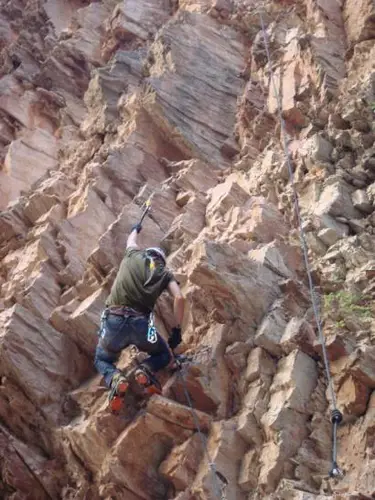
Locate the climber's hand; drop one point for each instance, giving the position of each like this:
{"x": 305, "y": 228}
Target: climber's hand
{"x": 136, "y": 227}
{"x": 175, "y": 338}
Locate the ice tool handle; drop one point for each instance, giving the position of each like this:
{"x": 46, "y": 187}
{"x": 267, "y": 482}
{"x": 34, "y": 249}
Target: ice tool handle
{"x": 147, "y": 206}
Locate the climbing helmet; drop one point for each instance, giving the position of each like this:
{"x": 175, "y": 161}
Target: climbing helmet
{"x": 158, "y": 252}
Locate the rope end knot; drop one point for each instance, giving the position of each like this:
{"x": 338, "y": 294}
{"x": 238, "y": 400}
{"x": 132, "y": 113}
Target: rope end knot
{"x": 336, "y": 416}
{"x": 335, "y": 471}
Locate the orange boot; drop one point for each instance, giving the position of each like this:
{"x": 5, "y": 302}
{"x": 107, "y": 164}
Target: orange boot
{"x": 145, "y": 378}
{"x": 119, "y": 386}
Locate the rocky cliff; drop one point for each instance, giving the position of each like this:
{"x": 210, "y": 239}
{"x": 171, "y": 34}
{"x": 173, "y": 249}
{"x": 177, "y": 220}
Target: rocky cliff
{"x": 104, "y": 103}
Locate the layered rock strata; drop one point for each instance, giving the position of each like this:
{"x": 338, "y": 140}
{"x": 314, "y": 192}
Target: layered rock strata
{"x": 103, "y": 104}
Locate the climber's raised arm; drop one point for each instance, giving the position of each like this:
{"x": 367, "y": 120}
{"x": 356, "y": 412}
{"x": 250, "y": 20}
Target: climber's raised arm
{"x": 132, "y": 238}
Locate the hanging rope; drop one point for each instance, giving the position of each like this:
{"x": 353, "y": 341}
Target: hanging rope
{"x": 336, "y": 416}
{"x": 219, "y": 480}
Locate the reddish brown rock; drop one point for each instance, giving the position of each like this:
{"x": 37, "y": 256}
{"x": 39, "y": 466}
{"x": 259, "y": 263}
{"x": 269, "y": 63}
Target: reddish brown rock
{"x": 196, "y": 382}
{"x": 272, "y": 328}
{"x": 248, "y": 428}
{"x": 178, "y": 414}
{"x": 119, "y": 79}
{"x": 353, "y": 397}
{"x": 22, "y": 470}
{"x": 295, "y": 379}
{"x": 146, "y": 441}
{"x": 76, "y": 246}
{"x": 328, "y": 44}
{"x": 257, "y": 398}
{"x": 224, "y": 196}
{"x": 103, "y": 104}
{"x": 214, "y": 97}
{"x": 259, "y": 363}
{"x": 47, "y": 366}
{"x": 27, "y": 160}
{"x": 236, "y": 357}
{"x": 228, "y": 279}
{"x": 226, "y": 448}
{"x": 80, "y": 320}
{"x": 271, "y": 463}
{"x": 138, "y": 19}
{"x": 337, "y": 346}
{"x": 181, "y": 465}
{"x": 298, "y": 334}
{"x": 359, "y": 20}
{"x": 248, "y": 477}
{"x": 363, "y": 367}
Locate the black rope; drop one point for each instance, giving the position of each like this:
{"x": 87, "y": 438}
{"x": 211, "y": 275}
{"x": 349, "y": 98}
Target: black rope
{"x": 336, "y": 416}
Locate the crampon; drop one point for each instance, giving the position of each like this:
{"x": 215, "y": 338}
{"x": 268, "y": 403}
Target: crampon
{"x": 119, "y": 386}
{"x": 132, "y": 389}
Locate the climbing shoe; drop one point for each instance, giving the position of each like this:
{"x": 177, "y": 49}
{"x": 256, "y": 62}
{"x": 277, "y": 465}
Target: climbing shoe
{"x": 116, "y": 404}
{"x": 145, "y": 378}
{"x": 119, "y": 386}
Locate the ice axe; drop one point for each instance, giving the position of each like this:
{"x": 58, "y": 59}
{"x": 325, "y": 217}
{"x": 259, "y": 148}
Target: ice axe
{"x": 147, "y": 206}
{"x": 138, "y": 226}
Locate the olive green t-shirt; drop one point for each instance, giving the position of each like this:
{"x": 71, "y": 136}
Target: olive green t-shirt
{"x": 133, "y": 286}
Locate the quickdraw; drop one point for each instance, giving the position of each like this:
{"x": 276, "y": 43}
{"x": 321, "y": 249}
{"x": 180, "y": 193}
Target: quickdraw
{"x": 152, "y": 335}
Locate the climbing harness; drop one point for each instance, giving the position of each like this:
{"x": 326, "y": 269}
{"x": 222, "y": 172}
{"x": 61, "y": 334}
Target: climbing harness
{"x": 336, "y": 415}
{"x": 219, "y": 480}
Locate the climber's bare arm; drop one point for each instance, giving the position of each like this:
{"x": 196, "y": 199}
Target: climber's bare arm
{"x": 178, "y": 302}
{"x": 132, "y": 240}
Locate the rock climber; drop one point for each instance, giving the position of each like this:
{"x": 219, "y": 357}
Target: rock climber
{"x": 125, "y": 321}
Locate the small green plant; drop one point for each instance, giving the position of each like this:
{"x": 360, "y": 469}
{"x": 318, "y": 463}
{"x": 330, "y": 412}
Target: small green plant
{"x": 343, "y": 303}
{"x": 340, "y": 324}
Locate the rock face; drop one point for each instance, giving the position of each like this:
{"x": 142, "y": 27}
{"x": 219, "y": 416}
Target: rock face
{"x": 201, "y": 74}
{"x": 103, "y": 104}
